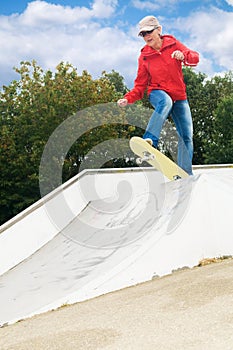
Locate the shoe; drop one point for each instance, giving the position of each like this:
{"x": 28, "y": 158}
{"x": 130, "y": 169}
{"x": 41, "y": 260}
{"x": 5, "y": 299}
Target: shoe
{"x": 149, "y": 141}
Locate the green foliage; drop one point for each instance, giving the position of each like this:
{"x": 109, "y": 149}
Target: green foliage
{"x": 196, "y": 96}
{"x": 117, "y": 81}
{"x": 204, "y": 97}
{"x": 220, "y": 150}
{"x": 31, "y": 109}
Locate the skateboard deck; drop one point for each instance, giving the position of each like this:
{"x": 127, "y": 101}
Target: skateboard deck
{"x": 155, "y": 158}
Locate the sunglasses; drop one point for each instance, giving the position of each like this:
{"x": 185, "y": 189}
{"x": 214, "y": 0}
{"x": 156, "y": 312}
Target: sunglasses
{"x": 144, "y": 33}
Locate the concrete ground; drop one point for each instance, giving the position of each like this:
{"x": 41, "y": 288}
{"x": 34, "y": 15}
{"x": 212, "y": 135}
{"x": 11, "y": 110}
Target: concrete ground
{"x": 190, "y": 309}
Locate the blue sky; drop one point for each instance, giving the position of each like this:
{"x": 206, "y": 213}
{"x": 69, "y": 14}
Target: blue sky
{"x": 101, "y": 35}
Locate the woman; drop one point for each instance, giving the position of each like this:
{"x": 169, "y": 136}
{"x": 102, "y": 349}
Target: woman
{"x": 160, "y": 72}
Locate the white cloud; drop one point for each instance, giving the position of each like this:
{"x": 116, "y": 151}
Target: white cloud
{"x": 156, "y": 5}
{"x": 82, "y": 36}
{"x": 52, "y": 33}
{"x": 210, "y": 33}
{"x": 146, "y": 5}
{"x": 104, "y": 8}
{"x": 41, "y": 12}
{"x": 230, "y": 2}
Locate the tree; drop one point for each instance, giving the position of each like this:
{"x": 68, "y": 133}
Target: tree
{"x": 204, "y": 97}
{"x": 197, "y": 101}
{"x": 117, "y": 81}
{"x": 220, "y": 150}
{"x": 31, "y": 109}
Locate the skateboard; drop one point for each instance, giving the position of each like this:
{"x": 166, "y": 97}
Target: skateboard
{"x": 158, "y": 160}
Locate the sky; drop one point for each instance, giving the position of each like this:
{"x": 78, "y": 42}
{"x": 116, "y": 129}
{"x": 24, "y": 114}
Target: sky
{"x": 101, "y": 35}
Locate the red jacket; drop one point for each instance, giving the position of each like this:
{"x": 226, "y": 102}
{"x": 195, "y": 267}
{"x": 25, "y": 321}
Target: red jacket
{"x": 157, "y": 70}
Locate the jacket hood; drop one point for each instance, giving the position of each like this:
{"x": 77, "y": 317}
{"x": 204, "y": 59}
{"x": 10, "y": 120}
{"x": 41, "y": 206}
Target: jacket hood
{"x": 168, "y": 40}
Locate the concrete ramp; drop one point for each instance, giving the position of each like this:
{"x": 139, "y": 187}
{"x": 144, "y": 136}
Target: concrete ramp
{"x": 124, "y": 227}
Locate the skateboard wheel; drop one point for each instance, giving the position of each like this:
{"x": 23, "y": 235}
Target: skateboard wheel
{"x": 138, "y": 161}
{"x": 176, "y": 177}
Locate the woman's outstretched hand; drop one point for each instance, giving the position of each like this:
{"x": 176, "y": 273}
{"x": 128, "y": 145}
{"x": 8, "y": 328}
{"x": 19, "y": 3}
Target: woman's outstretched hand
{"x": 122, "y": 102}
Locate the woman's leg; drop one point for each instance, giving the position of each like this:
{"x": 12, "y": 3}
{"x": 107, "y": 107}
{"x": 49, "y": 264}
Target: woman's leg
{"x": 181, "y": 115}
{"x": 162, "y": 104}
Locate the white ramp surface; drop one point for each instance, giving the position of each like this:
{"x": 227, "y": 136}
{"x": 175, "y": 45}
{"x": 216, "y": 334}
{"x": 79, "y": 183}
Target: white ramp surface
{"x": 131, "y": 228}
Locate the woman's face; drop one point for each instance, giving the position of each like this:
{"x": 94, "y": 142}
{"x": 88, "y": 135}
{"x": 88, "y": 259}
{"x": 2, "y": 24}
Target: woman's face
{"x": 152, "y": 38}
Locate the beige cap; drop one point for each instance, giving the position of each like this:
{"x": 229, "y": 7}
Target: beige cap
{"x": 148, "y": 23}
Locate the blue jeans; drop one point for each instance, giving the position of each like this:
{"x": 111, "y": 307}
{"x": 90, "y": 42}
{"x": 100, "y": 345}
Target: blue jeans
{"x": 181, "y": 115}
